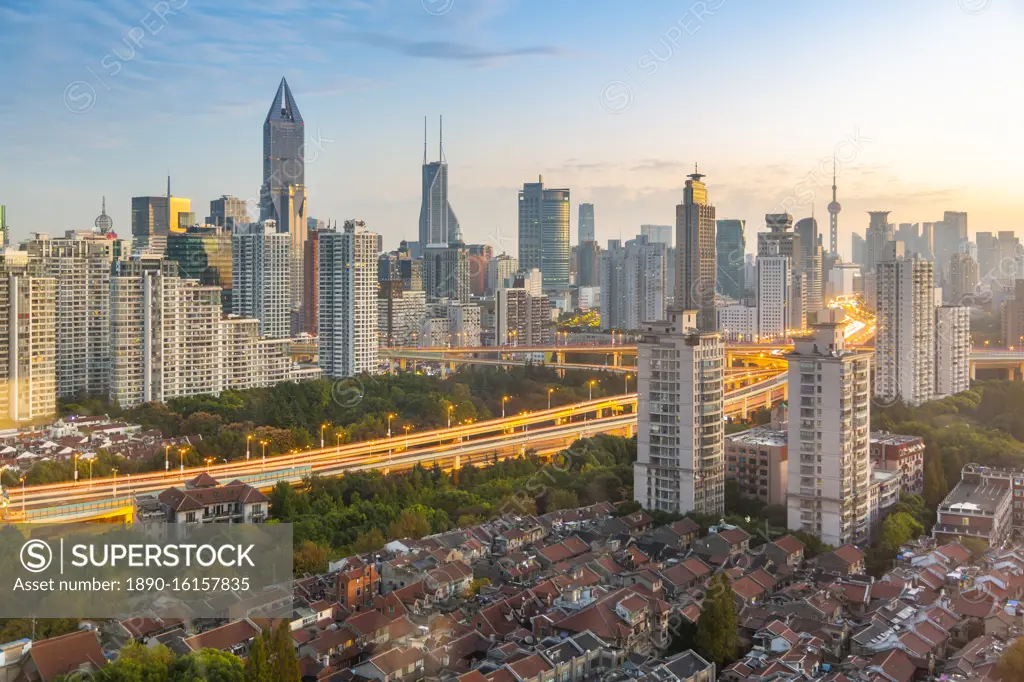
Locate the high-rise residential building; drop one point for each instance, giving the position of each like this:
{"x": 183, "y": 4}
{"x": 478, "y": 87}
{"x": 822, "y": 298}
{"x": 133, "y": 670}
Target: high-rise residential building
{"x": 962, "y": 279}
{"x": 927, "y": 241}
{"x": 680, "y": 382}
{"x": 829, "y": 491}
{"x": 658, "y": 234}
{"x": 283, "y": 193}
{"x": 811, "y": 256}
{"x": 988, "y": 253}
{"x": 5, "y": 238}
{"x": 499, "y": 269}
{"x": 479, "y": 256}
{"x": 671, "y": 267}
{"x": 730, "y": 249}
{"x": 204, "y": 253}
{"x": 311, "y": 273}
{"x": 170, "y": 339}
{"x": 737, "y": 321}
{"x": 696, "y": 260}
{"x": 28, "y": 347}
{"x": 544, "y": 233}
{"x": 348, "y": 307}
{"x": 1012, "y": 313}
{"x": 521, "y": 318}
{"x": 400, "y": 314}
{"x": 633, "y": 283}
{"x": 842, "y": 280}
{"x": 589, "y": 273}
{"x": 1008, "y": 257}
{"x": 859, "y": 250}
{"x": 80, "y": 263}
{"x": 905, "y": 338}
{"x": 949, "y": 232}
{"x": 952, "y": 350}
{"x": 834, "y": 208}
{"x": 438, "y": 224}
{"x": 261, "y": 277}
{"x": 586, "y": 224}
{"x": 446, "y": 271}
{"x": 227, "y": 212}
{"x": 616, "y": 288}
{"x": 797, "y": 304}
{"x": 451, "y": 324}
{"x": 879, "y": 235}
{"x": 774, "y": 294}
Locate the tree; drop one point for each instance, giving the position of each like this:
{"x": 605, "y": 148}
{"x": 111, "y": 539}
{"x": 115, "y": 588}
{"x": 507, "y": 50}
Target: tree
{"x": 897, "y": 530}
{"x": 474, "y": 587}
{"x": 257, "y": 669}
{"x": 286, "y": 662}
{"x": 717, "y": 628}
{"x": 411, "y": 524}
{"x": 935, "y": 486}
{"x": 976, "y": 546}
{"x": 1011, "y": 665}
{"x": 209, "y": 665}
{"x": 310, "y": 558}
{"x": 562, "y": 499}
{"x": 139, "y": 663}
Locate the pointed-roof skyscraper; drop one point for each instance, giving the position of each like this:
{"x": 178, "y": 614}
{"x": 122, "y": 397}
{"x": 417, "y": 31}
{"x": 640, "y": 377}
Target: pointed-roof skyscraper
{"x": 283, "y": 194}
{"x": 438, "y": 224}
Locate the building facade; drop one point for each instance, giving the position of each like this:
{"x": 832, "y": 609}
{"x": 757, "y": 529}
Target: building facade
{"x": 758, "y": 460}
{"x": 499, "y": 269}
{"x": 895, "y": 452}
{"x": 829, "y": 484}
{"x": 348, "y": 307}
{"x": 680, "y": 381}
{"x": 28, "y": 344}
{"x": 227, "y": 212}
{"x": 774, "y": 294}
{"x": 521, "y": 318}
{"x": 204, "y": 253}
{"x": 730, "y": 251}
{"x": 446, "y": 271}
{"x": 261, "y": 277}
{"x": 544, "y": 233}
{"x": 585, "y": 226}
{"x": 952, "y": 350}
{"x": 438, "y": 224}
{"x": 695, "y": 259}
{"x": 400, "y": 315}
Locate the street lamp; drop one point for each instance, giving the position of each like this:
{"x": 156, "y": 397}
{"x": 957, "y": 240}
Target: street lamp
{"x": 390, "y": 417}
{"x": 247, "y": 441}
{"x": 590, "y": 385}
{"x": 322, "y": 427}
{"x": 407, "y": 427}
{"x": 167, "y": 460}
{"x": 264, "y": 464}
{"x": 450, "y": 408}
{"x": 181, "y": 460}
{"x": 208, "y": 460}
{"x": 90, "y": 473}
{"x": 129, "y": 485}
{"x": 504, "y": 399}
{"x": 626, "y": 377}
{"x": 76, "y": 468}
{"x": 22, "y": 481}
{"x": 115, "y": 481}
{"x": 550, "y": 391}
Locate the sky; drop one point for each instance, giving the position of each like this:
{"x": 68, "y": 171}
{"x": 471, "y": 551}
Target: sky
{"x": 918, "y": 101}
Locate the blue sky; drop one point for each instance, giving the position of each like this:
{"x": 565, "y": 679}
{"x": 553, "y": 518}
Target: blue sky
{"x": 615, "y": 100}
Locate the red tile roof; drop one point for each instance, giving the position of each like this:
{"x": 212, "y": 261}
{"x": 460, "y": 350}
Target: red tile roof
{"x": 67, "y": 653}
{"x": 224, "y": 637}
{"x": 747, "y": 588}
{"x": 849, "y": 554}
{"x": 789, "y": 544}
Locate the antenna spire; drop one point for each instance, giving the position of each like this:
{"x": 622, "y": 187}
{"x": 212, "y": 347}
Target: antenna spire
{"x": 424, "y": 140}
{"x": 440, "y": 133}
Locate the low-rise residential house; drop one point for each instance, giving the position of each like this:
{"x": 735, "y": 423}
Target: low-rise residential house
{"x": 393, "y": 664}
{"x": 679, "y": 535}
{"x": 846, "y": 560}
{"x": 355, "y": 586}
{"x": 234, "y": 638}
{"x": 787, "y": 551}
{"x": 76, "y": 652}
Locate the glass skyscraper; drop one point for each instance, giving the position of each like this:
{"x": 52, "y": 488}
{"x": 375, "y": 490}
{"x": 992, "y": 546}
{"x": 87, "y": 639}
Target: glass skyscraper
{"x": 204, "y": 253}
{"x": 586, "y": 223}
{"x": 544, "y": 233}
{"x": 695, "y": 239}
{"x": 438, "y": 224}
{"x": 731, "y": 246}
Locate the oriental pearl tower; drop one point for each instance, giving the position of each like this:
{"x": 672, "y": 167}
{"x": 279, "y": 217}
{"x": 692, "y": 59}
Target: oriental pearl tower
{"x": 833, "y": 215}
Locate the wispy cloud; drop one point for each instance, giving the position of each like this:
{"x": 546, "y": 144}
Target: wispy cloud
{"x": 449, "y": 50}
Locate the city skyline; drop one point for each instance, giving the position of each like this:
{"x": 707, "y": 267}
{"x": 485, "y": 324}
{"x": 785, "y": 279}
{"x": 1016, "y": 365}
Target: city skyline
{"x": 634, "y": 177}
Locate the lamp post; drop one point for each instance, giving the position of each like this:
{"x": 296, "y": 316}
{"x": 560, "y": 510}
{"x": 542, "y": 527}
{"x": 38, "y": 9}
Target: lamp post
{"x": 76, "y": 468}
{"x": 407, "y": 427}
{"x": 550, "y": 391}
{"x": 23, "y": 497}
{"x": 263, "y": 465}
{"x": 504, "y": 399}
{"x": 626, "y": 377}
{"x": 167, "y": 458}
{"x": 129, "y": 485}
{"x": 450, "y": 408}
{"x": 322, "y": 427}
{"x": 337, "y": 441}
{"x": 90, "y": 473}
{"x": 390, "y": 417}
{"x": 590, "y": 387}
{"x": 208, "y": 460}
{"x": 181, "y": 460}
{"x": 115, "y": 481}
{"x": 248, "y": 439}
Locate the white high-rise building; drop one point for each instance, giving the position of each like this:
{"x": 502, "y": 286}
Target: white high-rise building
{"x": 680, "y": 446}
{"x": 905, "y": 340}
{"x": 499, "y": 269}
{"x": 400, "y": 315}
{"x": 952, "y": 350}
{"x": 829, "y": 489}
{"x": 170, "y": 339}
{"x": 348, "y": 315}
{"x": 521, "y": 319}
{"x": 28, "y": 349}
{"x": 81, "y": 263}
{"x": 633, "y": 283}
{"x": 261, "y": 270}
{"x": 774, "y": 290}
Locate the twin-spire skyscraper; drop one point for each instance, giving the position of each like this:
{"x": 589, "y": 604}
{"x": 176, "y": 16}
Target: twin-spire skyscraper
{"x": 438, "y": 224}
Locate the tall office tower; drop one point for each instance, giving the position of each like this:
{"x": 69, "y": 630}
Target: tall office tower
{"x": 806, "y": 230}
{"x": 438, "y": 224}
{"x": 479, "y": 256}
{"x": 400, "y": 314}
{"x": 797, "y": 304}
{"x": 1007, "y": 253}
{"x": 680, "y": 382}
{"x": 348, "y": 300}
{"x": 774, "y": 294}
{"x": 952, "y": 350}
{"x": 154, "y": 218}
{"x": 858, "y": 250}
{"x": 651, "y": 276}
{"x": 909, "y": 234}
{"x": 962, "y": 280}
{"x": 879, "y": 235}
{"x": 905, "y": 340}
{"x": 834, "y": 207}
{"x": 311, "y": 275}
{"x": 657, "y": 234}
{"x": 988, "y": 253}
{"x": 589, "y": 274}
{"x": 586, "y": 224}
{"x": 5, "y": 238}
{"x": 786, "y": 243}
{"x": 829, "y": 448}
{"x": 615, "y": 287}
{"x": 1012, "y": 313}
{"x": 521, "y": 318}
{"x": 948, "y": 235}
{"x": 671, "y": 267}
{"x": 80, "y": 263}
{"x": 446, "y": 271}
{"x": 227, "y": 212}
{"x": 730, "y": 249}
{"x": 261, "y": 277}
{"x": 696, "y": 260}
{"x": 841, "y": 279}
{"x": 283, "y": 193}
{"x": 927, "y": 243}
{"x": 170, "y": 339}
{"x": 500, "y": 268}
{"x": 544, "y": 233}
{"x": 28, "y": 348}
{"x": 204, "y": 253}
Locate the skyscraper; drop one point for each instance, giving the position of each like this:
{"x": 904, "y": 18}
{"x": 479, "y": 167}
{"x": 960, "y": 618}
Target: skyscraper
{"x": 633, "y": 279}
{"x": 834, "y": 207}
{"x": 730, "y": 249}
{"x": 446, "y": 271}
{"x": 696, "y": 261}
{"x": 154, "y": 218}
{"x": 544, "y": 233}
{"x": 774, "y": 295}
{"x": 283, "y": 194}
{"x": 4, "y": 237}
{"x": 28, "y": 377}
{"x": 905, "y": 340}
{"x": 260, "y": 277}
{"x": 438, "y": 224}
{"x": 880, "y": 233}
{"x": 311, "y": 272}
{"x": 680, "y": 453}
{"x": 858, "y": 249}
{"x": 962, "y": 279}
{"x": 227, "y": 212}
{"x": 586, "y": 224}
{"x": 952, "y": 350}
{"x": 204, "y": 253}
{"x": 806, "y": 230}
{"x": 348, "y": 300}
{"x": 949, "y": 232}
{"x": 657, "y": 234}
{"x": 829, "y": 447}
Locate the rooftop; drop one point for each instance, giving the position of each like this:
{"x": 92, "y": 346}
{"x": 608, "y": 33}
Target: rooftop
{"x": 759, "y": 435}
{"x": 886, "y": 438}
{"x": 980, "y": 497}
